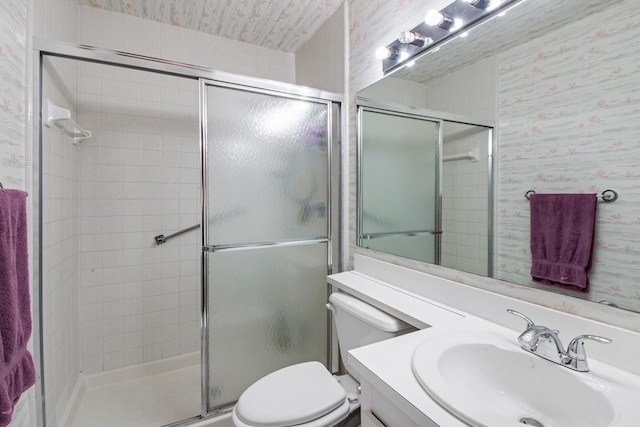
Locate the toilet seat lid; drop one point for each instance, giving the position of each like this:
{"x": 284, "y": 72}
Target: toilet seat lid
{"x": 293, "y": 395}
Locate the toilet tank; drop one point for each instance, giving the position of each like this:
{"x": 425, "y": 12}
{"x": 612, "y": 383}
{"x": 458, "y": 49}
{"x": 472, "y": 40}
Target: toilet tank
{"x": 359, "y": 324}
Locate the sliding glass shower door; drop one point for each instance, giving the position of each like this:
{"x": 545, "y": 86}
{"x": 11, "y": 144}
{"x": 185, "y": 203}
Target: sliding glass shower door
{"x": 266, "y": 234}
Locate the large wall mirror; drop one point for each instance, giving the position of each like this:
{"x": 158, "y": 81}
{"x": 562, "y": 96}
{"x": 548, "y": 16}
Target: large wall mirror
{"x": 555, "y": 87}
{"x": 432, "y": 203}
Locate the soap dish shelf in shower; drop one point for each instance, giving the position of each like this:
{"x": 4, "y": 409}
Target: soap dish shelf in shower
{"x": 61, "y": 118}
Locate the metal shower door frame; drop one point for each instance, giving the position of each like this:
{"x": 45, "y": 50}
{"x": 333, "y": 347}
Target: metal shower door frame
{"x": 250, "y": 85}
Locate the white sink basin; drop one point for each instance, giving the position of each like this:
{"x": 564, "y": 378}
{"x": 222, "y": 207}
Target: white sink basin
{"x": 486, "y": 379}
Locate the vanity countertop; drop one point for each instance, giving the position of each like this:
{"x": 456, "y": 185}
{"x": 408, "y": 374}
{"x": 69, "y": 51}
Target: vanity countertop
{"x": 424, "y": 300}
{"x": 387, "y": 365}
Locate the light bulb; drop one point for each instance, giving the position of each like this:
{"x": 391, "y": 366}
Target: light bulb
{"x": 407, "y": 37}
{"x": 434, "y": 18}
{"x": 416, "y": 39}
{"x": 383, "y": 52}
{"x": 438, "y": 19}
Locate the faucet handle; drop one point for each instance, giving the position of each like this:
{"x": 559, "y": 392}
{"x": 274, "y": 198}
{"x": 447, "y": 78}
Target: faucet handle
{"x": 522, "y": 316}
{"x": 576, "y": 346}
{"x": 576, "y": 356}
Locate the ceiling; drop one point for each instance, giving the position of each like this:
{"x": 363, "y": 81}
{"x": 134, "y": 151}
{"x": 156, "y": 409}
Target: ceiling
{"x": 283, "y": 25}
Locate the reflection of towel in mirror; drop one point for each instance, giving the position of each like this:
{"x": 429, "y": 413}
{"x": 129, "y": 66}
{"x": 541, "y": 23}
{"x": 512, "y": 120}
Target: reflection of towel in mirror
{"x": 17, "y": 372}
{"x": 562, "y": 232}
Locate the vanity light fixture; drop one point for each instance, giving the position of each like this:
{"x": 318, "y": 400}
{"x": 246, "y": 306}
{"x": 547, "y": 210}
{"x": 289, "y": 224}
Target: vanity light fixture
{"x": 480, "y": 4}
{"x": 438, "y": 28}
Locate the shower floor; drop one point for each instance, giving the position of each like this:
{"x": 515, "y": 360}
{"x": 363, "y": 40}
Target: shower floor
{"x": 130, "y": 398}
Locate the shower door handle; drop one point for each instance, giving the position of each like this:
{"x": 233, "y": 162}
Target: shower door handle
{"x": 283, "y": 243}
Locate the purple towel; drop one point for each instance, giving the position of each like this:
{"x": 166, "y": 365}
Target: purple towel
{"x": 562, "y": 231}
{"x": 17, "y": 373}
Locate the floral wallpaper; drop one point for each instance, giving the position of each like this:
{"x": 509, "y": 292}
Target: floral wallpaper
{"x": 12, "y": 92}
{"x": 281, "y": 25}
{"x": 13, "y": 36}
{"x": 569, "y": 109}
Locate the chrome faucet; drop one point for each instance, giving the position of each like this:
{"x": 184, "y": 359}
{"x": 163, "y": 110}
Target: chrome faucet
{"x": 545, "y": 342}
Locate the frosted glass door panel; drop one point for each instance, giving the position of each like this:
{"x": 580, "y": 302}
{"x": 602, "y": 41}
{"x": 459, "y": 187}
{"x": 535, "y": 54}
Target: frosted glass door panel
{"x": 268, "y": 311}
{"x": 402, "y": 198}
{"x": 267, "y": 161}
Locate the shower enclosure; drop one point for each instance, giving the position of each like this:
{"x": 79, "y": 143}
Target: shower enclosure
{"x": 266, "y": 196}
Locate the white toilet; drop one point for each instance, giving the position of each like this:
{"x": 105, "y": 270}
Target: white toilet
{"x": 306, "y": 394}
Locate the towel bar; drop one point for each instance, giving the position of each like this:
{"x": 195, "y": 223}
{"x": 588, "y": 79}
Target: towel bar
{"x": 1, "y": 186}
{"x": 606, "y": 196}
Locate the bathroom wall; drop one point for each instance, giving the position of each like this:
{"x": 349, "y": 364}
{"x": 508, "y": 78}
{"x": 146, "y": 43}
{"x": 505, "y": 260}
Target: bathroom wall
{"x": 120, "y": 31}
{"x": 139, "y": 178}
{"x": 56, "y": 20}
{"x": 320, "y": 61}
{"x": 13, "y": 34}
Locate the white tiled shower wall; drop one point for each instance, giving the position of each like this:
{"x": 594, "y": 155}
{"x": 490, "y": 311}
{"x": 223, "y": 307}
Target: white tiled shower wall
{"x": 59, "y": 245}
{"x": 139, "y": 177}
